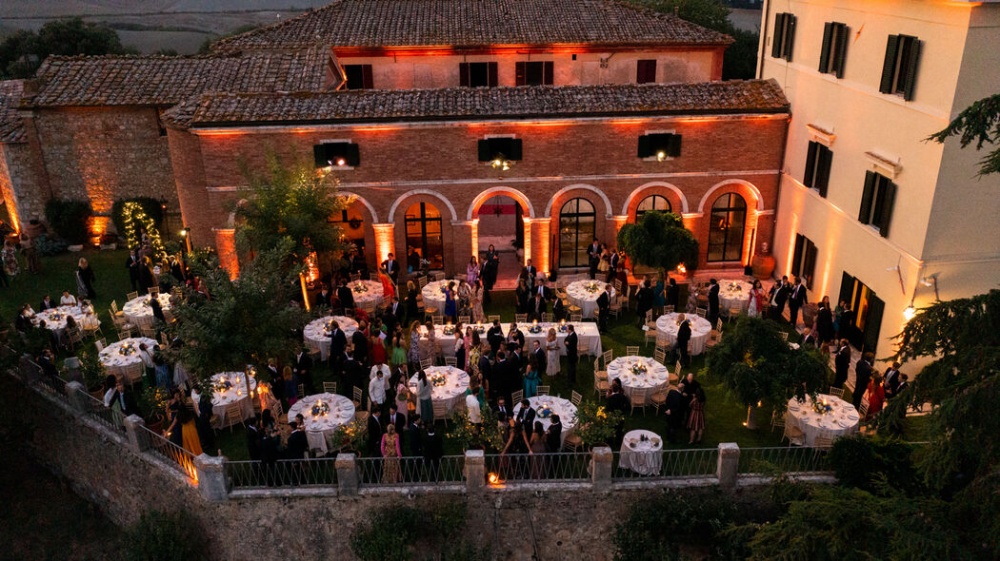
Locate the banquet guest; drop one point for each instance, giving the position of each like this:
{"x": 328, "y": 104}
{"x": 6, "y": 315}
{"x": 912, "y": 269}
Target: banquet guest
{"x": 413, "y": 260}
{"x": 472, "y": 270}
{"x": 539, "y": 356}
{"x": 526, "y": 414}
{"x": 875, "y": 393}
{"x": 450, "y": 304}
{"x": 604, "y": 308}
{"x": 644, "y": 302}
{"x": 531, "y": 379}
{"x": 553, "y": 436}
{"x": 473, "y": 409}
{"x": 132, "y": 264}
{"x": 502, "y": 408}
{"x": 67, "y": 299}
{"x": 713, "y": 301}
{"x": 290, "y": 389}
{"x": 683, "y": 338}
{"x": 146, "y": 277}
{"x": 673, "y": 293}
{"x": 162, "y": 371}
{"x": 755, "y": 305}
{"x": 676, "y": 410}
{"x": 522, "y": 295}
{"x": 375, "y": 430}
{"x": 842, "y": 363}
{"x": 203, "y": 420}
{"x": 424, "y": 397}
{"x": 110, "y": 385}
{"x": 659, "y": 296}
{"x": 413, "y": 355}
{"x": 302, "y": 365}
{"x": 530, "y": 273}
{"x": 809, "y": 339}
{"x": 345, "y": 295}
{"x": 393, "y": 314}
{"x": 796, "y": 300}
{"x": 478, "y": 315}
{"x": 360, "y": 342}
{"x": 824, "y": 322}
{"x": 391, "y": 268}
{"x": 433, "y": 448}
{"x": 696, "y": 416}
{"x": 324, "y": 298}
{"x": 47, "y": 304}
{"x": 593, "y": 258}
{"x": 537, "y": 308}
{"x": 296, "y": 447}
{"x": 495, "y": 336}
{"x": 536, "y": 447}
{"x": 355, "y": 374}
{"x": 891, "y": 382}
{"x": 85, "y": 280}
{"x": 396, "y": 419}
{"x": 779, "y": 294}
{"x": 904, "y": 382}
{"x": 515, "y": 337}
{"x": 391, "y": 451}
{"x": 376, "y": 347}
{"x": 618, "y": 401}
{"x": 377, "y": 390}
{"x": 154, "y": 305}
{"x": 862, "y": 375}
{"x": 551, "y": 353}
{"x": 415, "y": 435}
{"x": 123, "y": 399}
{"x": 571, "y": 354}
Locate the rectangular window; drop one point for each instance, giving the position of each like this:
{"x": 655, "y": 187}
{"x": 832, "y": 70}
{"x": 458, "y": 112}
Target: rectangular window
{"x": 877, "y": 201}
{"x": 359, "y": 76}
{"x": 804, "y": 261}
{"x": 533, "y": 73}
{"x": 660, "y": 146}
{"x": 784, "y": 36}
{"x": 477, "y": 74}
{"x": 645, "y": 72}
{"x": 834, "y": 51}
{"x": 899, "y": 71}
{"x": 499, "y": 147}
{"x": 818, "y": 159}
{"x": 336, "y": 155}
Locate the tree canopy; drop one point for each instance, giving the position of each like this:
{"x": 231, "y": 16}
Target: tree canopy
{"x": 294, "y": 202}
{"x": 979, "y": 123}
{"x": 24, "y": 51}
{"x": 755, "y": 362}
{"x": 659, "y": 240}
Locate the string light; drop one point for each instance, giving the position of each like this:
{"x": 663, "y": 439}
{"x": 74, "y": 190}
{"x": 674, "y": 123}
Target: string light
{"x": 134, "y": 217}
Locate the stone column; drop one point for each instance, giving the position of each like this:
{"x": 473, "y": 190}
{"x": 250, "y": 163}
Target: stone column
{"x": 138, "y": 440}
{"x": 347, "y": 475}
{"x": 211, "y": 478}
{"x": 540, "y": 241}
{"x": 601, "y": 459}
{"x": 464, "y": 239}
{"x": 475, "y": 471}
{"x": 384, "y": 243}
{"x": 728, "y": 466}
{"x": 75, "y": 392}
{"x": 225, "y": 247}
{"x": 617, "y": 221}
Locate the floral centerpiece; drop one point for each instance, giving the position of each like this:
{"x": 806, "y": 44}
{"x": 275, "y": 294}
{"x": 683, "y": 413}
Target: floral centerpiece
{"x": 544, "y": 411}
{"x": 438, "y": 380}
{"x": 320, "y": 408}
{"x": 563, "y": 328}
{"x": 821, "y": 406}
{"x": 360, "y": 287}
{"x": 480, "y": 328}
{"x": 735, "y": 287}
{"x": 535, "y": 328}
{"x": 127, "y": 349}
{"x": 638, "y": 368}
{"x": 592, "y": 287}
{"x": 595, "y": 425}
{"x": 55, "y": 315}
{"x": 448, "y": 330}
{"x": 221, "y": 384}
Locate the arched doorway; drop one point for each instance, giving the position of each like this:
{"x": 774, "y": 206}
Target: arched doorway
{"x": 577, "y": 228}
{"x": 424, "y": 231}
{"x": 727, "y": 227}
{"x": 501, "y": 224}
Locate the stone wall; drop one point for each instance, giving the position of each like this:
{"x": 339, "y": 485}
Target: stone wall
{"x": 20, "y": 188}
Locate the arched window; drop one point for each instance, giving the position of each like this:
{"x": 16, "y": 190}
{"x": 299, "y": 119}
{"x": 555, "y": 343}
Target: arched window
{"x": 652, "y": 202}
{"x": 576, "y": 231}
{"x": 725, "y": 234}
{"x": 423, "y": 231}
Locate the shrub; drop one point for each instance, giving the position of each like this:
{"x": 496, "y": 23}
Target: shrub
{"x": 69, "y": 219}
{"x": 870, "y": 463}
{"x": 160, "y": 536}
{"x": 46, "y": 246}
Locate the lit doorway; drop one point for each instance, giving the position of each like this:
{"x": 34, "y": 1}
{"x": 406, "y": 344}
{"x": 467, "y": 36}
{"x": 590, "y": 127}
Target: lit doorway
{"x": 501, "y": 224}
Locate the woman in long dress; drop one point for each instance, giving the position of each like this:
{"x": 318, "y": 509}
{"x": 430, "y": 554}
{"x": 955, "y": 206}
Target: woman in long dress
{"x": 552, "y": 353}
{"x": 531, "y": 379}
{"x": 10, "y": 265}
{"x": 756, "y": 304}
{"x": 478, "y": 315}
{"x": 424, "y": 397}
{"x": 875, "y": 393}
{"x": 414, "y": 354}
{"x": 390, "y": 455}
{"x": 696, "y": 417}
{"x": 85, "y": 280}
{"x": 450, "y": 304}
{"x": 472, "y": 271}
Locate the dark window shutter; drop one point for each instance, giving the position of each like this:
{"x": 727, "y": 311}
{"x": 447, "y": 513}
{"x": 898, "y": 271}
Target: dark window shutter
{"x": 873, "y": 323}
{"x": 866, "y": 197}
{"x": 846, "y": 289}
{"x": 492, "y": 68}
{"x": 889, "y": 66}
{"x": 809, "y": 265}
{"x": 779, "y": 30}
{"x": 549, "y": 71}
{"x": 823, "y": 174}
{"x": 515, "y": 149}
{"x": 797, "y": 258}
{"x": 840, "y": 57}
{"x": 810, "y": 164}
{"x": 352, "y": 155}
{"x": 644, "y": 149}
{"x": 824, "y": 54}
{"x": 645, "y": 72}
{"x": 519, "y": 73}
{"x": 674, "y": 146}
{"x": 888, "y": 196}
{"x": 789, "y": 38}
{"x": 319, "y": 155}
{"x": 367, "y": 76}
{"x": 911, "y": 69}
{"x": 484, "y": 150}
{"x": 463, "y": 74}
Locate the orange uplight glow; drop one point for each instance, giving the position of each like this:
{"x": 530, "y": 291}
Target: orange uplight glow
{"x": 494, "y": 479}
{"x": 383, "y": 241}
{"x": 225, "y": 244}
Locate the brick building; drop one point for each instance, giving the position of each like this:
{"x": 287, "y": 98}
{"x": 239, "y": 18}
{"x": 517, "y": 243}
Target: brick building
{"x": 582, "y": 113}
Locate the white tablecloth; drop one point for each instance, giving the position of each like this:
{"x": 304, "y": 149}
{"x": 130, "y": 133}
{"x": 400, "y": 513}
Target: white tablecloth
{"x": 666, "y": 328}
{"x": 642, "y": 456}
{"x": 369, "y": 298}
{"x": 586, "y": 334}
{"x": 317, "y": 338}
{"x": 841, "y": 420}
{"x": 559, "y": 406}
{"x": 118, "y": 364}
{"x": 138, "y": 312}
{"x": 319, "y": 428}
{"x": 734, "y": 294}
{"x": 452, "y": 392}
{"x": 434, "y": 297}
{"x": 579, "y": 295}
{"x": 55, "y": 319}
{"x": 237, "y": 393}
{"x": 655, "y": 378}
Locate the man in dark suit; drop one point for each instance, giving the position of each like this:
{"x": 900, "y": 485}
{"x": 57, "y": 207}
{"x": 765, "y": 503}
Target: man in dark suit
{"x": 526, "y": 415}
{"x": 302, "y": 367}
{"x": 540, "y": 359}
{"x": 297, "y": 445}
{"x": 892, "y": 379}
{"x": 393, "y": 315}
{"x": 415, "y": 435}
{"x": 558, "y": 310}
{"x": 360, "y": 343}
{"x": 842, "y": 363}
{"x": 676, "y": 409}
{"x": 433, "y": 452}
{"x": 325, "y": 298}
{"x": 355, "y": 374}
{"x": 571, "y": 354}
{"x": 904, "y": 382}
{"x": 862, "y": 375}
{"x": 375, "y": 430}
{"x": 495, "y": 336}
{"x": 643, "y": 302}
{"x": 132, "y": 263}
{"x": 515, "y": 337}
{"x": 124, "y": 400}
{"x": 530, "y": 274}
{"x": 781, "y": 292}
{"x": 391, "y": 267}
{"x": 537, "y": 307}
{"x": 338, "y": 345}
{"x": 683, "y": 338}
{"x": 620, "y": 402}
{"x": 47, "y": 304}
{"x": 502, "y": 408}
{"x": 413, "y": 260}
{"x": 345, "y": 295}
{"x": 796, "y": 300}
{"x": 397, "y": 420}
{"x": 594, "y": 257}
{"x": 553, "y": 436}
{"x": 604, "y": 308}
{"x": 713, "y": 301}
{"x": 673, "y": 294}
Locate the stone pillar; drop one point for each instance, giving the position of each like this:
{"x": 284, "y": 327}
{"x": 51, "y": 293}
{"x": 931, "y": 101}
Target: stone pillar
{"x": 540, "y": 241}
{"x": 464, "y": 237}
{"x": 138, "y": 440}
{"x": 728, "y": 467}
{"x": 384, "y": 243}
{"x": 347, "y": 475}
{"x": 601, "y": 459}
{"x": 211, "y": 478}
{"x": 225, "y": 247}
{"x": 474, "y": 237}
{"x": 475, "y": 471}
{"x": 75, "y": 392}
{"x": 617, "y": 221}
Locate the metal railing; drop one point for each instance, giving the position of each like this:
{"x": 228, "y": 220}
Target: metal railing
{"x": 563, "y": 466}
{"x": 253, "y": 474}
{"x": 172, "y": 453}
{"x": 108, "y": 416}
{"x": 411, "y": 470}
{"x": 695, "y": 462}
{"x": 790, "y": 459}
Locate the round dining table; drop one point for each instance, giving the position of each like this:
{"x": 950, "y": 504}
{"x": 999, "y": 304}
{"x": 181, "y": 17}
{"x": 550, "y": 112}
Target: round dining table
{"x": 666, "y": 331}
{"x": 316, "y": 333}
{"x": 584, "y": 294}
{"x": 55, "y": 318}
{"x": 139, "y": 313}
{"x": 324, "y": 424}
{"x": 642, "y": 452}
{"x": 122, "y": 358}
{"x": 734, "y": 294}
{"x": 836, "y": 418}
{"x": 547, "y": 405}
{"x": 368, "y": 294}
{"x": 229, "y": 388}
{"x": 433, "y": 294}
{"x": 448, "y": 385}
{"x": 639, "y": 374}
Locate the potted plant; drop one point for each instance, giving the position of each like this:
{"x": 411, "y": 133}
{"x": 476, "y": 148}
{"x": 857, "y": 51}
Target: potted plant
{"x": 351, "y": 437}
{"x": 93, "y": 373}
{"x": 486, "y": 436}
{"x": 595, "y": 424}
{"x": 152, "y": 403}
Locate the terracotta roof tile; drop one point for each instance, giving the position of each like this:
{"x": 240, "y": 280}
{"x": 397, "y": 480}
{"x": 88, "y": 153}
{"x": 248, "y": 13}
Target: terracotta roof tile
{"x": 158, "y": 80}
{"x": 11, "y": 126}
{"x": 479, "y": 103}
{"x": 468, "y": 23}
